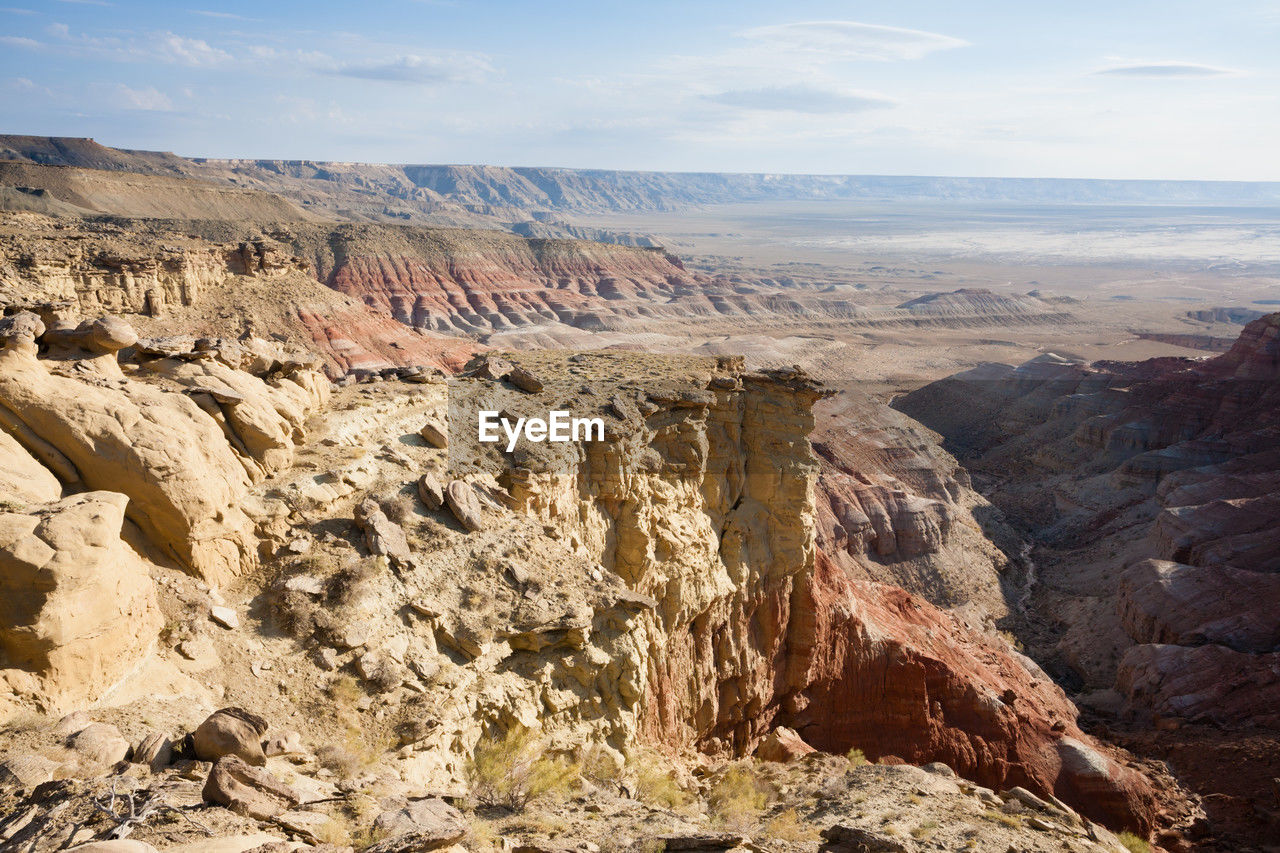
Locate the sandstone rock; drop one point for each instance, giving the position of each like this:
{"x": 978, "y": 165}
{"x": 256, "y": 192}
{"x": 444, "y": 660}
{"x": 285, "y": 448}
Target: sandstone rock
{"x": 425, "y": 824}
{"x": 430, "y": 492}
{"x": 21, "y": 327}
{"x": 382, "y": 535}
{"x": 844, "y": 838}
{"x": 25, "y": 772}
{"x": 231, "y": 731}
{"x": 99, "y": 745}
{"x": 492, "y": 367}
{"x": 246, "y": 790}
{"x": 1209, "y": 683}
{"x": 525, "y": 380}
{"x": 1165, "y": 602}
{"x": 123, "y": 845}
{"x": 224, "y": 616}
{"x": 284, "y": 743}
{"x": 155, "y": 750}
{"x": 79, "y": 607}
{"x": 783, "y": 745}
{"x": 701, "y": 841}
{"x": 434, "y": 436}
{"x": 465, "y": 506}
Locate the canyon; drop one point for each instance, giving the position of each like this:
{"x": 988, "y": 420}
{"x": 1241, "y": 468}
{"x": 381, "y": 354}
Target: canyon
{"x": 830, "y": 522}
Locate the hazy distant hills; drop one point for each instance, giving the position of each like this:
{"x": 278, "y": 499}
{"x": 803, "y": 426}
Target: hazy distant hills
{"x": 484, "y": 189}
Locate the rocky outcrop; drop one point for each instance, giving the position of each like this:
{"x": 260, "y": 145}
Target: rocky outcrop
{"x": 78, "y": 609}
{"x": 178, "y": 282}
{"x": 754, "y": 627}
{"x": 94, "y": 454}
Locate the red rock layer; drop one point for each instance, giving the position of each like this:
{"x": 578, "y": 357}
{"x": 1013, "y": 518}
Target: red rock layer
{"x": 888, "y": 673}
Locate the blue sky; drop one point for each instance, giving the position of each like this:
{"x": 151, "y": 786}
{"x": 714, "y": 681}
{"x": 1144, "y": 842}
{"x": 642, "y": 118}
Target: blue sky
{"x": 1083, "y": 89}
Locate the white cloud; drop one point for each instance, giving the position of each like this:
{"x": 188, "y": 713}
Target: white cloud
{"x": 21, "y": 41}
{"x": 1167, "y": 70}
{"x": 802, "y": 99}
{"x": 149, "y": 99}
{"x": 853, "y": 40}
{"x": 412, "y": 68}
{"x": 226, "y": 16}
{"x": 188, "y": 51}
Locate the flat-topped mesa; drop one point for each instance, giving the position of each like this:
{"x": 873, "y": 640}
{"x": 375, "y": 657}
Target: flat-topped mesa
{"x": 702, "y": 499}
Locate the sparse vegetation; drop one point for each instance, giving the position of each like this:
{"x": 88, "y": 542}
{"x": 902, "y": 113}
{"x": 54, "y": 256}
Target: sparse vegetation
{"x": 787, "y": 826}
{"x": 655, "y": 783}
{"x": 856, "y": 757}
{"x": 513, "y": 771}
{"x": 737, "y": 798}
{"x": 924, "y": 830}
{"x": 1011, "y": 821}
{"x": 1133, "y": 843}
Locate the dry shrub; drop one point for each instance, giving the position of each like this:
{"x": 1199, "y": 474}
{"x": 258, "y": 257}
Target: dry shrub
{"x": 513, "y": 771}
{"x": 788, "y": 826}
{"x": 737, "y": 798}
{"x": 857, "y": 758}
{"x": 655, "y": 780}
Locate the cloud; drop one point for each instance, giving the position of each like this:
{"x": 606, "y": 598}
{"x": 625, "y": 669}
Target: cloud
{"x": 1157, "y": 70}
{"x": 188, "y": 51}
{"x": 13, "y": 11}
{"x": 226, "y": 16}
{"x": 417, "y": 69}
{"x": 853, "y": 40}
{"x": 802, "y": 99}
{"x": 21, "y": 41}
{"x": 86, "y": 2}
{"x": 149, "y": 99}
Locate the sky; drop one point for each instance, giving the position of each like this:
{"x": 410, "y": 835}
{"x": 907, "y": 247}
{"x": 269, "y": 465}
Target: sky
{"x": 1118, "y": 89}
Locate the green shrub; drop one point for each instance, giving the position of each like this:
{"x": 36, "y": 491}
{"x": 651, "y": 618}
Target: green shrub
{"x": 512, "y": 771}
{"x": 1133, "y": 843}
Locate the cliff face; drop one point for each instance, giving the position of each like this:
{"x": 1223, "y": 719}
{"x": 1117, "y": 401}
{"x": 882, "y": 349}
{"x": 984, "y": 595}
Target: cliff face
{"x": 754, "y": 627}
{"x": 176, "y": 282}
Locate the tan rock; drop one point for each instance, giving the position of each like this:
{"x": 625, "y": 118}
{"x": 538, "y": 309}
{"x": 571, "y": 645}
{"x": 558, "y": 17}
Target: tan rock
{"x": 383, "y": 536}
{"x": 78, "y": 608}
{"x": 231, "y": 731}
{"x": 122, "y": 845}
{"x": 434, "y": 436}
{"x": 783, "y": 745}
{"x": 246, "y": 790}
{"x": 465, "y": 506}
{"x": 99, "y": 745}
{"x": 154, "y": 750}
{"x": 430, "y": 491}
{"x": 426, "y": 824}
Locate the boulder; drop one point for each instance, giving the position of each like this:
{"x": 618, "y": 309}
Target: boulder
{"x": 465, "y": 506}
{"x": 231, "y": 731}
{"x": 434, "y": 436}
{"x": 524, "y": 380}
{"x": 246, "y": 790}
{"x": 492, "y": 367}
{"x": 383, "y": 536}
{"x": 100, "y": 745}
{"x": 430, "y": 491}
{"x": 284, "y": 743}
{"x": 425, "y": 824}
{"x": 78, "y": 608}
{"x": 154, "y": 750}
{"x": 25, "y": 772}
{"x": 843, "y": 838}
{"x": 122, "y": 845}
{"x": 783, "y": 745}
